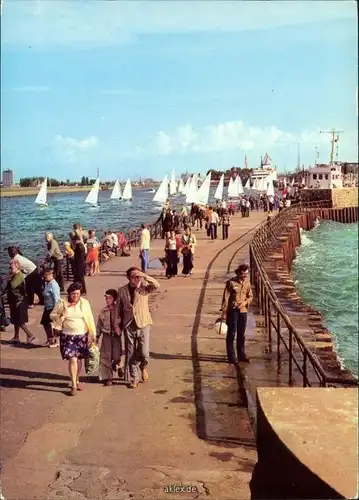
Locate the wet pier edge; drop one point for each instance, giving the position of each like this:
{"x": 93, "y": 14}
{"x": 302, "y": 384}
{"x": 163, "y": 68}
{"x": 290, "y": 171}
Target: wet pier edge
{"x": 193, "y": 424}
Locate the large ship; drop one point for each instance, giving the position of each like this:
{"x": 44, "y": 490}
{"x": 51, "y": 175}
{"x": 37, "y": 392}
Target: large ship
{"x": 265, "y": 169}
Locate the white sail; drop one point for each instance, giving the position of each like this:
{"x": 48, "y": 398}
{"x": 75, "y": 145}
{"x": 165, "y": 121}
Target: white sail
{"x": 270, "y": 188}
{"x": 239, "y": 185}
{"x": 92, "y": 197}
{"x": 292, "y": 183}
{"x": 173, "y": 184}
{"x": 203, "y": 192}
{"x": 187, "y": 185}
{"x": 192, "y": 191}
{"x": 285, "y": 182}
{"x": 218, "y": 195}
{"x": 116, "y": 192}
{"x": 248, "y": 184}
{"x": 41, "y": 198}
{"x": 127, "y": 190}
{"x": 161, "y": 195}
{"x": 181, "y": 186}
{"x": 232, "y": 190}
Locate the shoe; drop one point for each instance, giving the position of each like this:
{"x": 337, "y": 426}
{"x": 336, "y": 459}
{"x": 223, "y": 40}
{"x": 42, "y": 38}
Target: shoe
{"x": 48, "y": 343}
{"x": 232, "y": 362}
{"x": 30, "y": 340}
{"x": 73, "y": 391}
{"x": 80, "y": 387}
{"x": 55, "y": 343}
{"x": 244, "y": 359}
{"x": 144, "y": 375}
{"x": 108, "y": 383}
{"x": 15, "y": 341}
{"x": 133, "y": 384}
{"x": 120, "y": 372}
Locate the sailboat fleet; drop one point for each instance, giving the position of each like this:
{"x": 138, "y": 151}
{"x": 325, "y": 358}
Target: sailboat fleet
{"x": 170, "y": 187}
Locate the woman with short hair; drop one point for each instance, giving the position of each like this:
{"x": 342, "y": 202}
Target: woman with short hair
{"x": 74, "y": 320}
{"x": 17, "y": 299}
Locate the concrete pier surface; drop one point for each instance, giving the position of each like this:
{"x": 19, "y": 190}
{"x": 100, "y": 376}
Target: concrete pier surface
{"x": 189, "y": 425}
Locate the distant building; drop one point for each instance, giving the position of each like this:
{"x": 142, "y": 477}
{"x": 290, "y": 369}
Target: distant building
{"x": 7, "y": 178}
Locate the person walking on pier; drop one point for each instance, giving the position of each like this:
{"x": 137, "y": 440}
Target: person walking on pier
{"x": 111, "y": 342}
{"x": 145, "y": 243}
{"x": 31, "y": 274}
{"x": 51, "y": 297}
{"x": 74, "y": 321}
{"x": 225, "y": 224}
{"x": 133, "y": 318}
{"x": 55, "y": 255}
{"x": 188, "y": 243}
{"x": 80, "y": 263}
{"x": 16, "y": 296}
{"x": 214, "y": 221}
{"x": 237, "y": 297}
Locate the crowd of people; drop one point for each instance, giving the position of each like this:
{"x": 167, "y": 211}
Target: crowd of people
{"x": 123, "y": 325}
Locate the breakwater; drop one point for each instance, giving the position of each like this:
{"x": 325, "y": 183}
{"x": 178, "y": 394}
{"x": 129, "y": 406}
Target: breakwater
{"x": 294, "y": 328}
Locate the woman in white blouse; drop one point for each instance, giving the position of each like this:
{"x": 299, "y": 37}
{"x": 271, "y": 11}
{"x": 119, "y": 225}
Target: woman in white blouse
{"x": 74, "y": 319}
{"x": 172, "y": 255}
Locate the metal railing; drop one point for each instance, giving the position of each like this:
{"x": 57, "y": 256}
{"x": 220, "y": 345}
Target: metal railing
{"x": 276, "y": 321}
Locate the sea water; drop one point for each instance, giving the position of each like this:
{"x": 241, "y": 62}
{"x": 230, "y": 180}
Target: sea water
{"x": 326, "y": 275}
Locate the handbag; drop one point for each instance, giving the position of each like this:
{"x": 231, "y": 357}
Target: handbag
{"x": 92, "y": 361}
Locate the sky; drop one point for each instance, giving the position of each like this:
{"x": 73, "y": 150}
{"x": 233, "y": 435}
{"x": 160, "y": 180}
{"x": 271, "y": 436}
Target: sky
{"x": 139, "y": 88}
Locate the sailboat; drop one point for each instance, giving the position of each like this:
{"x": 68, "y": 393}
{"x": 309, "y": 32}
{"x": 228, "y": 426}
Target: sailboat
{"x": 92, "y": 197}
{"x": 239, "y": 186}
{"x": 187, "y": 185}
{"x": 203, "y": 192}
{"x": 232, "y": 191}
{"x": 127, "y": 191}
{"x": 285, "y": 182}
{"x": 270, "y": 188}
{"x": 41, "y": 198}
{"x": 181, "y": 186}
{"x": 192, "y": 191}
{"x": 116, "y": 192}
{"x": 248, "y": 184}
{"x": 218, "y": 195}
{"x": 173, "y": 184}
{"x": 161, "y": 195}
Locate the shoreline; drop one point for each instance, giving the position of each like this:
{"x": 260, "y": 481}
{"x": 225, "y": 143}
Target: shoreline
{"x": 31, "y": 191}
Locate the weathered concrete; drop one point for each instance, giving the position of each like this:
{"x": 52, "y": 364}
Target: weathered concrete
{"x": 307, "y": 443}
{"x": 188, "y": 425}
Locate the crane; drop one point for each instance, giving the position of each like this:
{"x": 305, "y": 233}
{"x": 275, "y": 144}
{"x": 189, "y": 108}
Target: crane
{"x": 335, "y": 141}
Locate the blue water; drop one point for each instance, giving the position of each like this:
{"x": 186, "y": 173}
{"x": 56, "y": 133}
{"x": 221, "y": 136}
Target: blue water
{"x": 326, "y": 274}
{"x": 24, "y": 224}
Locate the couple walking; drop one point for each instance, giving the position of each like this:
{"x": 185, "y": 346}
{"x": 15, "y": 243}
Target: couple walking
{"x": 126, "y": 313}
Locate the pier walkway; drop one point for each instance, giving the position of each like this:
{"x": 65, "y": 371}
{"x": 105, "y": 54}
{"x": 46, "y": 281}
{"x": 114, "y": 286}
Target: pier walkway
{"x": 189, "y": 425}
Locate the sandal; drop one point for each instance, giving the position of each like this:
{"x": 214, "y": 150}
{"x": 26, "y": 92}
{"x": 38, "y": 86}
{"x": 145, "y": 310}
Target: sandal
{"x": 73, "y": 391}
{"x": 30, "y": 340}
{"x": 80, "y": 387}
{"x": 15, "y": 341}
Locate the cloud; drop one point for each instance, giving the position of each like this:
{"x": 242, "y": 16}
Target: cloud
{"x": 31, "y": 88}
{"x": 104, "y": 23}
{"x": 71, "y": 149}
{"x": 228, "y": 136}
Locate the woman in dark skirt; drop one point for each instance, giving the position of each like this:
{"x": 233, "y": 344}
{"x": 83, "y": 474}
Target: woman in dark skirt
{"x": 172, "y": 255}
{"x": 188, "y": 247}
{"x": 16, "y": 296}
{"x": 74, "y": 320}
{"x": 80, "y": 263}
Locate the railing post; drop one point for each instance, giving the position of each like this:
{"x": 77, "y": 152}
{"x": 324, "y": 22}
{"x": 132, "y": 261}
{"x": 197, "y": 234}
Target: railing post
{"x": 279, "y": 361}
{"x": 265, "y": 307}
{"x": 290, "y": 372}
{"x": 269, "y": 322}
{"x": 305, "y": 369}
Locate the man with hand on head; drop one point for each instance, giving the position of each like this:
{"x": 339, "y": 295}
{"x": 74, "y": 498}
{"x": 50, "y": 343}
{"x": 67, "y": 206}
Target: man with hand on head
{"x": 134, "y": 320}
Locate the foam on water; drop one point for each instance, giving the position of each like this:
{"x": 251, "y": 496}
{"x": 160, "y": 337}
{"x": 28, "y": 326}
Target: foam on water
{"x": 326, "y": 275}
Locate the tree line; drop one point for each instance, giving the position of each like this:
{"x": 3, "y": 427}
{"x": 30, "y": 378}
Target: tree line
{"x": 243, "y": 172}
